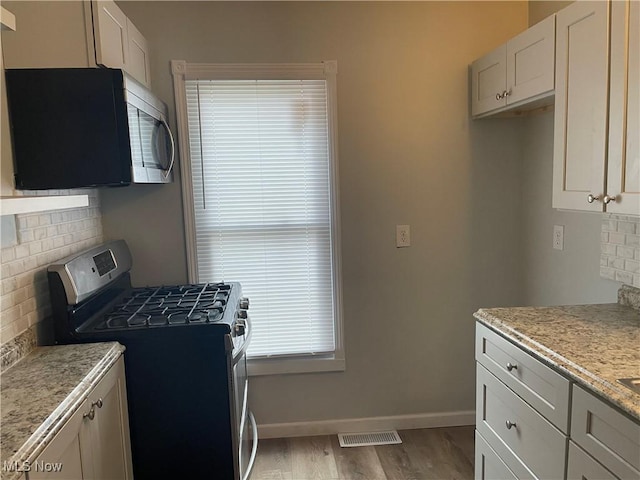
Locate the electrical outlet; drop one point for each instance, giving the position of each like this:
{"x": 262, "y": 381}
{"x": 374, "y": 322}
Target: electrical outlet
{"x": 558, "y": 237}
{"x": 403, "y": 236}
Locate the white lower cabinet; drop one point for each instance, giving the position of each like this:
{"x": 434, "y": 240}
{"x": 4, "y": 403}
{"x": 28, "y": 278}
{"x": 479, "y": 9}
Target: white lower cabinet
{"x": 527, "y": 443}
{"x": 611, "y": 438}
{"x": 525, "y": 411}
{"x": 582, "y": 466}
{"x": 94, "y": 443}
{"x": 488, "y": 464}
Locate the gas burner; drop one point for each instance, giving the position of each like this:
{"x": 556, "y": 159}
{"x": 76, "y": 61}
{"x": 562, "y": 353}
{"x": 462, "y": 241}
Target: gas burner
{"x": 178, "y": 318}
{"x": 160, "y": 319}
{"x": 138, "y": 320}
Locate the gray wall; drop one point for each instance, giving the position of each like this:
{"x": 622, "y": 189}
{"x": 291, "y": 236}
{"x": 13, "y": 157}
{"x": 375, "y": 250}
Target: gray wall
{"x": 541, "y": 9}
{"x": 408, "y": 154}
{"x": 554, "y": 277}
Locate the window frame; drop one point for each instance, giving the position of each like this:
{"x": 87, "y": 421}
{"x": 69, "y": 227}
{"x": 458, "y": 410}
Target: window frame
{"x": 327, "y": 71}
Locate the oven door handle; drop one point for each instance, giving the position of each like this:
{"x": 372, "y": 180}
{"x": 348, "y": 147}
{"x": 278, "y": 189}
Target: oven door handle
{"x": 254, "y": 448}
{"x": 247, "y": 338}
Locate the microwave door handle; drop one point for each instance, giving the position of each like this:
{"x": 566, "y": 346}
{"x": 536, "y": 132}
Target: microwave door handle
{"x": 167, "y": 172}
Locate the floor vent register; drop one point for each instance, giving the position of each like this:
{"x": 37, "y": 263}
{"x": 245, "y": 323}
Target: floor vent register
{"x": 368, "y": 438}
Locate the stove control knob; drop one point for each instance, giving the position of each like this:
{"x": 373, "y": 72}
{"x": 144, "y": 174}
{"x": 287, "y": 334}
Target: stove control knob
{"x": 242, "y": 314}
{"x": 244, "y": 303}
{"x": 239, "y": 329}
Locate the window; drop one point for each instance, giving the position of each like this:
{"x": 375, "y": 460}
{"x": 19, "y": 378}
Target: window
{"x": 259, "y": 188}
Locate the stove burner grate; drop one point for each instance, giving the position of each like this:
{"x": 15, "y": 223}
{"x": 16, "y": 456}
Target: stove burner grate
{"x": 169, "y": 305}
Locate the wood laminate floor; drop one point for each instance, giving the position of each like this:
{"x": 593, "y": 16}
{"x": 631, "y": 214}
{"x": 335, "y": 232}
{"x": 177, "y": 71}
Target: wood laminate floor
{"x": 429, "y": 454}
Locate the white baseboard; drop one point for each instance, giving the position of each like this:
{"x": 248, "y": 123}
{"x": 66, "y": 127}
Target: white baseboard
{"x": 370, "y": 424}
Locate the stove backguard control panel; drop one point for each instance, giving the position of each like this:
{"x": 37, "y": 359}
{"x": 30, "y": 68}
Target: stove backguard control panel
{"x": 85, "y": 273}
{"x": 104, "y": 262}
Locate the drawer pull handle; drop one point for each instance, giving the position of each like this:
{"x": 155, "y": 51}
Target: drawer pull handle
{"x": 511, "y": 366}
{"x": 510, "y": 424}
{"x": 97, "y": 403}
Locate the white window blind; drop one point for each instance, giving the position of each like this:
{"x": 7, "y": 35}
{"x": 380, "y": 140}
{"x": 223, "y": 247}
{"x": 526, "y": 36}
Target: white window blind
{"x": 261, "y": 183}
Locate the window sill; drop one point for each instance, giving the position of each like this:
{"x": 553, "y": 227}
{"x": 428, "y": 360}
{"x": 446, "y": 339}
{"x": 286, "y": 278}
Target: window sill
{"x": 283, "y": 366}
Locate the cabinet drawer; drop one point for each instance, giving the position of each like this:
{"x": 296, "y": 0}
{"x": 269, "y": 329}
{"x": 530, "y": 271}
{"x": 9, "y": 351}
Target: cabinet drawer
{"x": 488, "y": 465}
{"x": 544, "y": 389}
{"x": 516, "y": 431}
{"x": 608, "y": 435}
{"x": 583, "y": 467}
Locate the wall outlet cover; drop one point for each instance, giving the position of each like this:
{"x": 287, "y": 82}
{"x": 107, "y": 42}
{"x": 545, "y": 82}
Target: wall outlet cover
{"x": 558, "y": 237}
{"x": 403, "y": 236}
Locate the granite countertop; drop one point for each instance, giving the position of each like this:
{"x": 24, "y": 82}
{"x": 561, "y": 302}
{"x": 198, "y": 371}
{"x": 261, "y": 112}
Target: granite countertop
{"x": 594, "y": 345}
{"x": 42, "y": 391}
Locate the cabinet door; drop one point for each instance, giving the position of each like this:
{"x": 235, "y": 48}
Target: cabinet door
{"x": 138, "y": 65}
{"x": 582, "y": 467}
{"x": 110, "y": 32}
{"x": 623, "y": 177}
{"x": 111, "y": 450}
{"x": 488, "y": 80}
{"x": 68, "y": 456}
{"x": 606, "y": 434}
{"x": 581, "y": 108}
{"x": 531, "y": 62}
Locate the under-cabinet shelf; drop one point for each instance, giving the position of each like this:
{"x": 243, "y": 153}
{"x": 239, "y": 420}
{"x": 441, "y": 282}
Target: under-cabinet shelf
{"x": 16, "y": 205}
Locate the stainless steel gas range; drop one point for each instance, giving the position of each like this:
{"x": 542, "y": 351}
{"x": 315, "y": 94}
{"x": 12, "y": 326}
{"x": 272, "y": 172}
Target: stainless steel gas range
{"x": 185, "y": 361}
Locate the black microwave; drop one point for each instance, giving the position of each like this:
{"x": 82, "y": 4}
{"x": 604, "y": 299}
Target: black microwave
{"x": 86, "y": 127}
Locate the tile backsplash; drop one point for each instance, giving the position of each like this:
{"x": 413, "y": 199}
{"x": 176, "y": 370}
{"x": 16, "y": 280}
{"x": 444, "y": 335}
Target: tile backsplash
{"x": 620, "y": 251}
{"x": 43, "y": 238}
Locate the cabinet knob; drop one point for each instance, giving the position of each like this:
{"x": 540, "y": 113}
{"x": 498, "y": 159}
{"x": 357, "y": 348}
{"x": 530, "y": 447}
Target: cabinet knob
{"x": 506, "y": 93}
{"x": 98, "y": 403}
{"x": 510, "y": 424}
{"x": 610, "y": 198}
{"x": 511, "y": 366}
{"x": 498, "y": 96}
{"x": 91, "y": 415}
{"x": 592, "y": 198}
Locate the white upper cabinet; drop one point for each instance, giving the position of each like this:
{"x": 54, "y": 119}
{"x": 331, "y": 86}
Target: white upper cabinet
{"x": 489, "y": 81}
{"x": 76, "y": 34}
{"x": 596, "y": 164}
{"x": 530, "y": 62}
{"x": 623, "y": 161}
{"x": 516, "y": 73}
{"x": 111, "y": 38}
{"x": 580, "y": 127}
{"x": 118, "y": 43}
{"x": 138, "y": 55}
